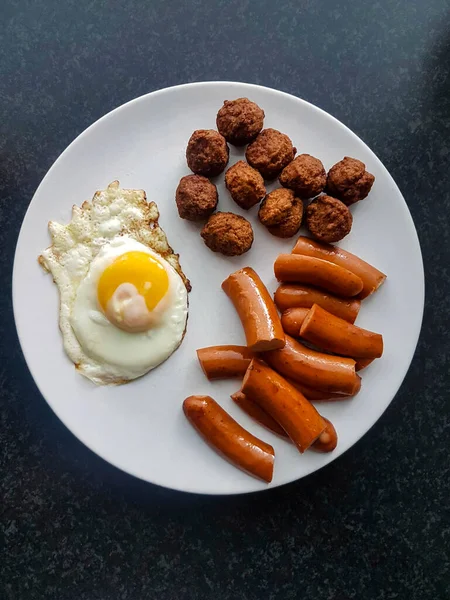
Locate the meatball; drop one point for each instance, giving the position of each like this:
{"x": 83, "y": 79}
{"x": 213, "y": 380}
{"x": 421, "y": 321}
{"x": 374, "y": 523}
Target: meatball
{"x": 305, "y": 175}
{"x": 228, "y": 233}
{"x": 270, "y": 153}
{"x": 245, "y": 184}
{"x": 291, "y": 224}
{"x": 207, "y": 152}
{"x": 240, "y": 121}
{"x": 276, "y": 207}
{"x": 196, "y": 198}
{"x": 328, "y": 219}
{"x": 349, "y": 181}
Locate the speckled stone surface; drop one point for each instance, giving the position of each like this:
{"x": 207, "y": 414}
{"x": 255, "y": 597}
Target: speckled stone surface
{"x": 372, "y": 525}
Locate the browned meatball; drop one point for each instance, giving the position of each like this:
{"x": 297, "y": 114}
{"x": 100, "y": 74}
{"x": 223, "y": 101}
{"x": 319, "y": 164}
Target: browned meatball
{"x": 270, "y": 153}
{"x": 349, "y": 181}
{"x": 291, "y": 224}
{"x": 276, "y": 207}
{"x": 328, "y": 219}
{"x": 196, "y": 198}
{"x": 207, "y": 152}
{"x": 305, "y": 175}
{"x": 240, "y": 121}
{"x": 245, "y": 184}
{"x": 228, "y": 233}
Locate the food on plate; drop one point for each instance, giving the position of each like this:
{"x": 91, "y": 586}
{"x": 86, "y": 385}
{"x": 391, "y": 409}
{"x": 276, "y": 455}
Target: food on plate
{"x": 315, "y": 271}
{"x": 371, "y": 277}
{"x": 327, "y": 440}
{"x": 257, "y": 413}
{"x": 315, "y": 395}
{"x": 207, "y": 152}
{"x": 349, "y": 181}
{"x": 315, "y": 369}
{"x": 296, "y": 415}
{"x": 291, "y": 224}
{"x": 292, "y": 319}
{"x": 224, "y": 362}
{"x": 221, "y": 431}
{"x": 228, "y": 234}
{"x": 270, "y": 153}
{"x": 240, "y": 121}
{"x": 256, "y": 310}
{"x": 245, "y": 184}
{"x": 281, "y": 212}
{"x": 196, "y": 198}
{"x": 304, "y": 296}
{"x": 328, "y": 219}
{"x": 362, "y": 363}
{"x": 305, "y": 175}
{"x": 332, "y": 334}
{"x": 276, "y": 207}
{"x": 123, "y": 295}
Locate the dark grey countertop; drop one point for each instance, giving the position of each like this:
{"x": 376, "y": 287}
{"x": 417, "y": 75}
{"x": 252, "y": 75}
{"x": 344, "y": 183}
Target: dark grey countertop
{"x": 372, "y": 525}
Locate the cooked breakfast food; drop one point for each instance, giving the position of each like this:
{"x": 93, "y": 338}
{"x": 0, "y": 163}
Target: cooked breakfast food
{"x": 349, "y": 181}
{"x": 123, "y": 295}
{"x": 228, "y": 234}
{"x": 298, "y": 268}
{"x": 282, "y": 401}
{"x": 315, "y": 395}
{"x": 291, "y": 224}
{"x": 257, "y": 413}
{"x": 332, "y": 334}
{"x": 221, "y": 431}
{"x": 256, "y": 310}
{"x": 305, "y": 175}
{"x": 270, "y": 153}
{"x": 207, "y": 153}
{"x": 328, "y": 219}
{"x": 371, "y": 277}
{"x": 245, "y": 185}
{"x": 196, "y": 198}
{"x": 223, "y": 362}
{"x": 327, "y": 440}
{"x": 292, "y": 320}
{"x": 304, "y": 296}
{"x": 276, "y": 207}
{"x": 240, "y": 121}
{"x": 281, "y": 212}
{"x": 315, "y": 369}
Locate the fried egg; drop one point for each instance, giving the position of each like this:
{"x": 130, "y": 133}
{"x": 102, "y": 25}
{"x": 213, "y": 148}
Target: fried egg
{"x": 123, "y": 295}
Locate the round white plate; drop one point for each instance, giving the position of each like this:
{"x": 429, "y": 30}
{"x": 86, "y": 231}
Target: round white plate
{"x": 140, "y": 427}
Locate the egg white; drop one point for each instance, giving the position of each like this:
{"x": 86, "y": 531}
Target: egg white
{"x": 111, "y": 354}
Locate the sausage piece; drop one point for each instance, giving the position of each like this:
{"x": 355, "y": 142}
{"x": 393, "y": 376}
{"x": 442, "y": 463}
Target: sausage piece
{"x": 315, "y": 395}
{"x": 327, "y": 440}
{"x": 292, "y": 320}
{"x": 237, "y": 444}
{"x": 256, "y": 309}
{"x": 303, "y": 296}
{"x": 315, "y": 369}
{"x": 333, "y": 334}
{"x": 362, "y": 363}
{"x": 224, "y": 362}
{"x": 257, "y": 413}
{"x": 296, "y": 415}
{"x": 315, "y": 271}
{"x": 371, "y": 277}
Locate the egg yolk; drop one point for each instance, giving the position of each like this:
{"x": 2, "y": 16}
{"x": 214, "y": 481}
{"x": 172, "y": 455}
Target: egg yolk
{"x": 142, "y": 270}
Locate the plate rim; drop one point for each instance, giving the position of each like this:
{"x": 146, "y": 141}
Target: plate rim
{"x": 170, "y": 89}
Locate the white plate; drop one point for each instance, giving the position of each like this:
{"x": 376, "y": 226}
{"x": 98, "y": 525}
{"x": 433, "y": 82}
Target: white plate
{"x": 140, "y": 427}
